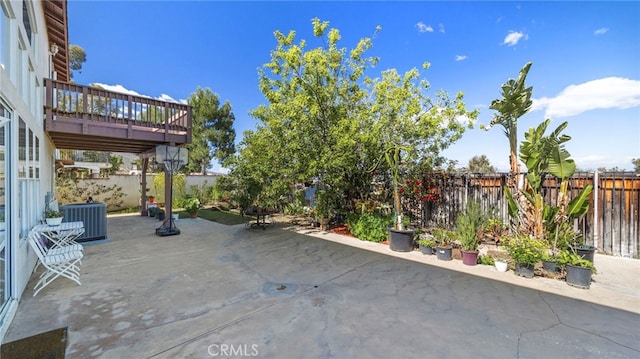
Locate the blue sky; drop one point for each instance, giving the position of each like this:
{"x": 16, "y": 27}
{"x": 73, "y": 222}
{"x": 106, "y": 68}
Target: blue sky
{"x": 586, "y": 58}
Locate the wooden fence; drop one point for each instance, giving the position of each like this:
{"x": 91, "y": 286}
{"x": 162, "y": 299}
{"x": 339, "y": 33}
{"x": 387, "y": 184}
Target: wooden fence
{"x": 612, "y": 223}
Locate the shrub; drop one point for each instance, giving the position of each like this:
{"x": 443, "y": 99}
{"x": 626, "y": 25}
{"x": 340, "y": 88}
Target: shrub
{"x": 369, "y": 227}
{"x": 525, "y": 250}
{"x": 468, "y": 223}
{"x": 443, "y": 237}
{"x": 486, "y": 260}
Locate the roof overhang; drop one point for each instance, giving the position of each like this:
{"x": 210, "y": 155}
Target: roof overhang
{"x": 55, "y": 14}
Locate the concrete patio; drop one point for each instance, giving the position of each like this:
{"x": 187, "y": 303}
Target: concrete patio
{"x": 225, "y": 291}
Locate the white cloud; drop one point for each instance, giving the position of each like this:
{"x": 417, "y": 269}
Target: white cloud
{"x": 166, "y": 98}
{"x": 461, "y": 57}
{"x": 422, "y": 27}
{"x": 117, "y": 88}
{"x": 601, "y": 31}
{"x": 441, "y": 28}
{"x": 513, "y": 37}
{"x": 610, "y": 92}
{"x": 126, "y": 91}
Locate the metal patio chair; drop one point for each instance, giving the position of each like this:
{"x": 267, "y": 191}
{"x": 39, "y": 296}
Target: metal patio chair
{"x": 60, "y": 261}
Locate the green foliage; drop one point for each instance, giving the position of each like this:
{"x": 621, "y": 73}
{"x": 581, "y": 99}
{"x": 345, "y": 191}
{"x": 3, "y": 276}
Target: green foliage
{"x": 468, "y": 224}
{"x": 427, "y": 242}
{"x": 326, "y": 121}
{"x": 52, "y": 214}
{"x": 212, "y": 126}
{"x": 229, "y": 218}
{"x": 566, "y": 257}
{"x": 369, "y": 227}
{"x": 443, "y": 237}
{"x": 77, "y": 57}
{"x": 486, "y": 259}
{"x": 480, "y": 164}
{"x": 190, "y": 203}
{"x": 524, "y": 249}
{"x": 298, "y": 203}
{"x": 74, "y": 190}
{"x": 515, "y": 102}
{"x": 179, "y": 182}
{"x": 496, "y": 227}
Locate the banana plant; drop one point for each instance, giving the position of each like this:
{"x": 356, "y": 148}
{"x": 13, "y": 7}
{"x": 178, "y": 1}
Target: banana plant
{"x": 545, "y": 154}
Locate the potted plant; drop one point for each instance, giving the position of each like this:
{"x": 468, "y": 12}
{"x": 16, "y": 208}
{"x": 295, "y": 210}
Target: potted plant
{"x": 400, "y": 238}
{"x": 191, "y": 205}
{"x": 411, "y": 128}
{"x": 468, "y": 224}
{"x": 443, "y": 238}
{"x": 550, "y": 262}
{"x": 53, "y": 218}
{"x": 500, "y": 264}
{"x": 525, "y": 251}
{"x": 578, "y": 269}
{"x": 426, "y": 242}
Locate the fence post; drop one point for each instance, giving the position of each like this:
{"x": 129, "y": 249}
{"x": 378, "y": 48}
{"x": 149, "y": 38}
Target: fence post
{"x": 595, "y": 208}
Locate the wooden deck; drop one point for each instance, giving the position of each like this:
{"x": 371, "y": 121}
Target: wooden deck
{"x": 89, "y": 118}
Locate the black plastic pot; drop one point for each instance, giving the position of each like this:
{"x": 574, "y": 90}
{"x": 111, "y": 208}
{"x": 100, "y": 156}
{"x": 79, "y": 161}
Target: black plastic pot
{"x": 579, "y": 277}
{"x": 426, "y": 250}
{"x": 401, "y": 240}
{"x": 524, "y": 270}
{"x": 443, "y": 254}
{"x": 586, "y": 252}
{"x": 549, "y": 266}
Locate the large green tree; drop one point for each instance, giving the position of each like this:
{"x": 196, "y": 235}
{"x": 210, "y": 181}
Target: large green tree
{"x": 412, "y": 127}
{"x": 311, "y": 128}
{"x": 326, "y": 121}
{"x": 480, "y": 164}
{"x": 77, "y": 57}
{"x": 636, "y": 165}
{"x": 213, "y": 134}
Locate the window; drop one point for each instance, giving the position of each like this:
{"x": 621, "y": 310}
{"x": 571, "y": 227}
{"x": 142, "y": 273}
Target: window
{"x": 26, "y": 20}
{"x": 5, "y": 214}
{"x": 4, "y": 39}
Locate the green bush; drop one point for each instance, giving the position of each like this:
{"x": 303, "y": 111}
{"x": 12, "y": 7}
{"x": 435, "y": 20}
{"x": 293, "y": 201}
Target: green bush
{"x": 486, "y": 259}
{"x": 524, "y": 249}
{"x": 468, "y": 223}
{"x": 369, "y": 227}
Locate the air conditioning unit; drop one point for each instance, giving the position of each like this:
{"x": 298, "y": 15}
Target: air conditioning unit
{"x": 94, "y": 216}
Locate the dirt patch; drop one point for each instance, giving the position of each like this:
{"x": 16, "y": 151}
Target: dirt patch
{"x": 343, "y": 230}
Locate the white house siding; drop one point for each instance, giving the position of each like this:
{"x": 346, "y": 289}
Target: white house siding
{"x": 24, "y": 66}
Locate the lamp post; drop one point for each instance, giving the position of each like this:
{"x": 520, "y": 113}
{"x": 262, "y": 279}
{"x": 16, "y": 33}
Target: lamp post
{"x": 172, "y": 158}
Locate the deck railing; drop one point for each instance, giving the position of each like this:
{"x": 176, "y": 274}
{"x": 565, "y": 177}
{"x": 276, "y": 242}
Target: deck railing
{"x": 70, "y": 100}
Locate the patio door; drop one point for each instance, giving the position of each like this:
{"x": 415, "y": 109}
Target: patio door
{"x": 5, "y": 241}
